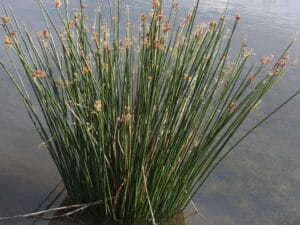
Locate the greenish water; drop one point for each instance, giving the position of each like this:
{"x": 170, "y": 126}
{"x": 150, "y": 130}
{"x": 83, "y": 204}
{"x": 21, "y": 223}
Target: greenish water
{"x": 258, "y": 184}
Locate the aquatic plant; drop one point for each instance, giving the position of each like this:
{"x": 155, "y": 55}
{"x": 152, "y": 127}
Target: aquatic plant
{"x": 135, "y": 116}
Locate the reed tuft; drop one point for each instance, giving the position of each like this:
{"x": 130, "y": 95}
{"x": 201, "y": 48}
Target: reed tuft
{"x": 136, "y": 116}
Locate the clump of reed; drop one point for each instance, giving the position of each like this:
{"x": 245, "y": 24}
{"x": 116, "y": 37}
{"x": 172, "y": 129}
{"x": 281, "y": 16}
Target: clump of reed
{"x": 136, "y": 116}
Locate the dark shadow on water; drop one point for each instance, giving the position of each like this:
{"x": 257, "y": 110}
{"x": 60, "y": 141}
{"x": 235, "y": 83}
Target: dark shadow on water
{"x": 87, "y": 220}
{"x": 57, "y": 198}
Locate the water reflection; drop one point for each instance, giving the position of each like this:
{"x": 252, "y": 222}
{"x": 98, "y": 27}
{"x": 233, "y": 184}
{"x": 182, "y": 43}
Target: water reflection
{"x": 57, "y": 198}
{"x": 176, "y": 220}
{"x": 86, "y": 220}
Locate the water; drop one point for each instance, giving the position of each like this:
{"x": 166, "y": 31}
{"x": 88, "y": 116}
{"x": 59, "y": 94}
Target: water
{"x": 259, "y": 183}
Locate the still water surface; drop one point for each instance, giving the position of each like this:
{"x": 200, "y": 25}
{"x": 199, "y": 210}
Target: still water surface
{"x": 258, "y": 184}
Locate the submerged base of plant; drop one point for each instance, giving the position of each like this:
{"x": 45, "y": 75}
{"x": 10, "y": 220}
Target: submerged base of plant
{"x": 138, "y": 120}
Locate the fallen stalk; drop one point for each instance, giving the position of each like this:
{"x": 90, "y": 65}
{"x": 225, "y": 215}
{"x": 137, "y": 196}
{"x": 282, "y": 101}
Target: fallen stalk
{"x": 80, "y": 207}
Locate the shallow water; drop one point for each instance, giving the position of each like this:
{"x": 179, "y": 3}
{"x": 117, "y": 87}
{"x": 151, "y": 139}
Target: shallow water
{"x": 259, "y": 183}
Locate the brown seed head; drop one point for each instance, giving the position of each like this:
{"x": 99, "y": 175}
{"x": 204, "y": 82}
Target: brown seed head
{"x": 166, "y": 27}
{"x": 237, "y": 17}
{"x": 57, "y": 3}
{"x": 8, "y": 41}
{"x": 13, "y": 33}
{"x": 281, "y": 63}
{"x": 286, "y": 56}
{"x": 98, "y": 105}
{"x": 187, "y": 77}
{"x": 251, "y": 78}
{"x": 71, "y": 23}
{"x": 86, "y": 70}
{"x": 159, "y": 15}
{"x": 188, "y": 18}
{"x": 213, "y": 24}
{"x": 143, "y": 17}
{"x": 156, "y": 3}
{"x": 95, "y": 36}
{"x": 200, "y": 29}
{"x": 175, "y": 5}
{"x": 249, "y": 53}
{"x": 146, "y": 43}
{"x": 62, "y": 83}
{"x": 121, "y": 42}
{"x": 39, "y": 74}
{"x": 128, "y": 42}
{"x": 274, "y": 72}
{"x": 76, "y": 77}
{"x": 83, "y": 5}
{"x": 284, "y": 60}
{"x": 157, "y": 44}
{"x": 266, "y": 59}
{"x": 46, "y": 34}
{"x": 232, "y": 105}
{"x": 4, "y": 20}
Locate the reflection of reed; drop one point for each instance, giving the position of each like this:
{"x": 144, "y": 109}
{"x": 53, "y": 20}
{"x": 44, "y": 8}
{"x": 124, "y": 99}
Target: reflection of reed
{"x": 176, "y": 220}
{"x": 57, "y": 197}
{"x": 50, "y": 200}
